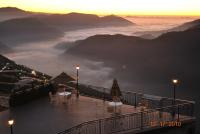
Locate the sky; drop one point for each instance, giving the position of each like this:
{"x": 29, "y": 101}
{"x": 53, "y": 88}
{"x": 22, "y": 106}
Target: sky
{"x": 104, "y": 7}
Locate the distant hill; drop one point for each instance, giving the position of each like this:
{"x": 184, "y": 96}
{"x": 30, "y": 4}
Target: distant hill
{"x": 174, "y": 54}
{"x": 7, "y": 13}
{"x": 69, "y": 21}
{"x": 49, "y": 26}
{"x": 22, "y": 30}
{"x": 11, "y": 9}
{"x": 12, "y": 73}
{"x": 187, "y": 25}
{"x": 73, "y": 21}
{"x": 113, "y": 20}
{"x": 182, "y": 27}
{"x": 11, "y": 65}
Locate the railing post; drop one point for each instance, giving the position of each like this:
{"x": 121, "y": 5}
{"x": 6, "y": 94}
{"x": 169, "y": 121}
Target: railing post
{"x": 104, "y": 97}
{"x": 161, "y": 109}
{"x": 100, "y": 127}
{"x": 192, "y": 110}
{"x": 173, "y": 107}
{"x": 141, "y": 120}
{"x": 135, "y": 100}
{"x": 178, "y": 112}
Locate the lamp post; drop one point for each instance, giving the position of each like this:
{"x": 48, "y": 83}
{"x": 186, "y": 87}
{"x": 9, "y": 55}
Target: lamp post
{"x": 175, "y": 82}
{"x": 10, "y": 123}
{"x": 77, "y": 78}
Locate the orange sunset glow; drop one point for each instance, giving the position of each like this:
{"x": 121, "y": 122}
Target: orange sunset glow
{"x": 103, "y": 7}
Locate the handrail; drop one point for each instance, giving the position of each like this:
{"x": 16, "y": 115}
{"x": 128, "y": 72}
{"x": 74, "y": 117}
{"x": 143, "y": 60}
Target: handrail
{"x": 106, "y": 91}
{"x": 124, "y": 116}
{"x": 158, "y": 96}
{"x": 152, "y": 103}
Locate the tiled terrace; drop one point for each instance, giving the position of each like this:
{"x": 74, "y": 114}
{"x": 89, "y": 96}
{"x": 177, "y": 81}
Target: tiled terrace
{"x": 45, "y": 117}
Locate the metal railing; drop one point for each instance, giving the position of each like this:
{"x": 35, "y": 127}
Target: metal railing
{"x": 130, "y": 98}
{"x": 135, "y": 121}
{"x": 157, "y": 110}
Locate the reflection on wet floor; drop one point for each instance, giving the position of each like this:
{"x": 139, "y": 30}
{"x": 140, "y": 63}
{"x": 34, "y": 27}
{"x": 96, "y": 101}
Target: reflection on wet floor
{"x": 43, "y": 116}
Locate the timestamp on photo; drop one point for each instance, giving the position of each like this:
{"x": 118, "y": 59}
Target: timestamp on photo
{"x": 166, "y": 123}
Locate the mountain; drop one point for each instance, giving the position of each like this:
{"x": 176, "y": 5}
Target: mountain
{"x": 11, "y": 9}
{"x": 49, "y": 26}
{"x": 7, "y": 13}
{"x": 73, "y": 21}
{"x": 182, "y": 27}
{"x": 4, "y": 48}
{"x": 12, "y": 73}
{"x": 69, "y": 21}
{"x": 113, "y": 20}
{"x": 13, "y": 67}
{"x": 187, "y": 25}
{"x": 28, "y": 29}
{"x": 137, "y": 60}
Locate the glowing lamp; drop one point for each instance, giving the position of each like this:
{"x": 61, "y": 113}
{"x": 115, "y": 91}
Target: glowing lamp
{"x": 175, "y": 81}
{"x": 11, "y": 122}
{"x": 77, "y": 67}
{"x": 33, "y": 73}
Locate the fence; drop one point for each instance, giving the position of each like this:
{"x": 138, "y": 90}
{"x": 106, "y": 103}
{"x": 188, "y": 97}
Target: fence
{"x": 136, "y": 121}
{"x": 129, "y": 97}
{"x": 156, "y": 111}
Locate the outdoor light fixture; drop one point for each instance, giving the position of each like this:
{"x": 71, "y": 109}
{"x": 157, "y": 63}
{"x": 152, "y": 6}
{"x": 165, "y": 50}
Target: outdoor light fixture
{"x": 175, "y": 82}
{"x": 77, "y": 67}
{"x": 10, "y": 123}
{"x": 33, "y": 73}
{"x": 77, "y": 77}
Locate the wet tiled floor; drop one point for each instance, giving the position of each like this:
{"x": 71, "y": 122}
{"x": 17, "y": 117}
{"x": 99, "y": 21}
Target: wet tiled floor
{"x": 45, "y": 117}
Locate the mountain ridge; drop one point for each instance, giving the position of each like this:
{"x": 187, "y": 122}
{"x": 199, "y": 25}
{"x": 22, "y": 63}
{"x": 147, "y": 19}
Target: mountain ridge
{"x": 11, "y": 9}
{"x": 182, "y": 27}
{"x": 37, "y": 27}
{"x": 73, "y": 21}
{"x": 20, "y": 30}
{"x": 174, "y": 54}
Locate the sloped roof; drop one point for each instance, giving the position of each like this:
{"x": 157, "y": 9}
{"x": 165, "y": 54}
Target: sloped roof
{"x": 63, "y": 78}
{"x": 115, "y": 90}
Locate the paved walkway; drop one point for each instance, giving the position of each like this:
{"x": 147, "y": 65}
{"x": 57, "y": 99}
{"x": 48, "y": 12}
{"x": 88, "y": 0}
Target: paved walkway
{"x": 43, "y": 117}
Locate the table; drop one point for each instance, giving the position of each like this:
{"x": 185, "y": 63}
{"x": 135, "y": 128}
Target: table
{"x": 66, "y": 95}
{"x": 114, "y": 105}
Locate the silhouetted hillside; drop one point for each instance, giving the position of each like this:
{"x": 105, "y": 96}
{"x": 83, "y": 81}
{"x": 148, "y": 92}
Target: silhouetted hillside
{"x": 182, "y": 27}
{"x": 11, "y": 9}
{"x": 44, "y": 27}
{"x": 138, "y": 60}
{"x": 73, "y": 21}
{"x": 113, "y": 20}
{"x": 187, "y": 25}
{"x": 7, "y": 13}
{"x": 25, "y": 30}
{"x": 19, "y": 69}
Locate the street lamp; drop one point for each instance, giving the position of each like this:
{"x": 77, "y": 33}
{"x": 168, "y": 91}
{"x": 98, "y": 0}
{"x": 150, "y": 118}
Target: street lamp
{"x": 10, "y": 123}
{"x": 175, "y": 82}
{"x": 77, "y": 77}
{"x": 33, "y": 73}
